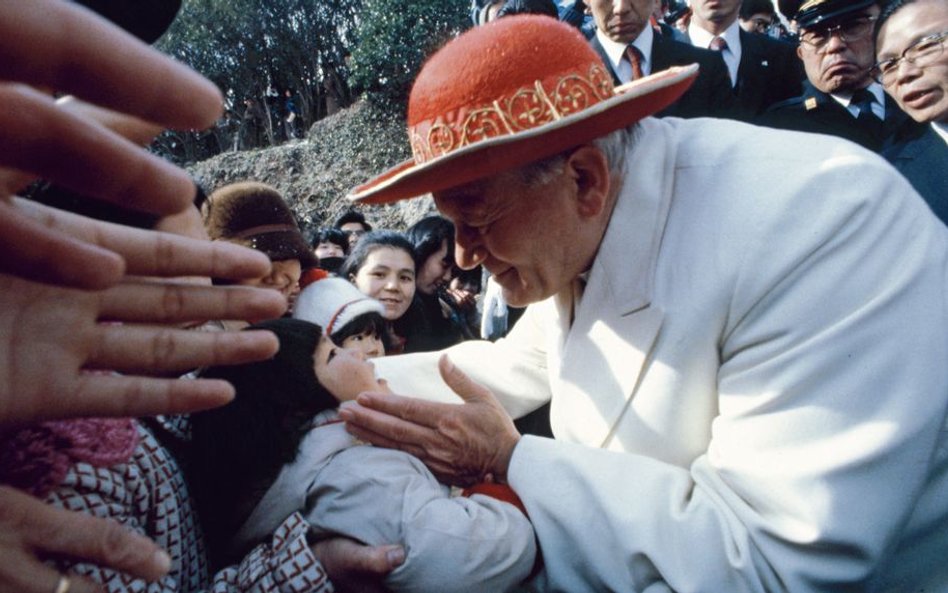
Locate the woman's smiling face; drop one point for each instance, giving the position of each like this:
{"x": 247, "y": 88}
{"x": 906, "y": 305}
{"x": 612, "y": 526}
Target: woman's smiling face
{"x": 388, "y": 275}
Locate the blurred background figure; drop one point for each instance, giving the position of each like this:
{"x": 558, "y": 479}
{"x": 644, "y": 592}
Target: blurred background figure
{"x": 330, "y": 246}
{"x": 353, "y": 224}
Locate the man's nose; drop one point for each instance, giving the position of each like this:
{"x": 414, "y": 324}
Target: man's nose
{"x": 469, "y": 250}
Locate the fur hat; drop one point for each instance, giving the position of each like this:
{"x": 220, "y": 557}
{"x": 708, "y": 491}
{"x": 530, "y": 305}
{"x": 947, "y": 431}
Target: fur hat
{"x": 515, "y": 91}
{"x": 256, "y": 215}
{"x": 332, "y": 303}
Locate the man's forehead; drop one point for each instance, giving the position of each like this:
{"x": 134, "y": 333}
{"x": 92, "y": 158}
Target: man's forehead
{"x": 462, "y": 198}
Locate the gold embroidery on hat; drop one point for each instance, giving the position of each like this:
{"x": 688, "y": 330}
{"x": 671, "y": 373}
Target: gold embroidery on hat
{"x": 527, "y": 108}
{"x": 440, "y": 139}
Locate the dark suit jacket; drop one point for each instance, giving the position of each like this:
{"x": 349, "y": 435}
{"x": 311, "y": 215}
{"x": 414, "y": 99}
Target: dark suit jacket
{"x": 816, "y": 111}
{"x": 922, "y": 156}
{"x": 709, "y": 96}
{"x": 769, "y": 72}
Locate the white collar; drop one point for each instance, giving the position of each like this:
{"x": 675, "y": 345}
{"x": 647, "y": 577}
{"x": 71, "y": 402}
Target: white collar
{"x": 941, "y": 128}
{"x": 616, "y": 50}
{"x": 701, "y": 38}
{"x": 878, "y": 106}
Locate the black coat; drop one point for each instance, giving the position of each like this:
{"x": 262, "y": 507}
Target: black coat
{"x": 817, "y": 112}
{"x": 921, "y": 155}
{"x": 709, "y": 96}
{"x": 769, "y": 72}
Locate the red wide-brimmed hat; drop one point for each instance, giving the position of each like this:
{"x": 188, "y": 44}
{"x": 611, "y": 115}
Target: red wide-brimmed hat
{"x": 509, "y": 93}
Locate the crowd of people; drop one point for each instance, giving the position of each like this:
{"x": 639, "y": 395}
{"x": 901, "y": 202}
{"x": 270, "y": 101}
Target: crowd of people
{"x": 679, "y": 323}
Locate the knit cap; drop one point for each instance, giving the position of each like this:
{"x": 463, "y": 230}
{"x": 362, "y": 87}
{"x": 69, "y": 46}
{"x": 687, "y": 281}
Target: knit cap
{"x": 332, "y": 303}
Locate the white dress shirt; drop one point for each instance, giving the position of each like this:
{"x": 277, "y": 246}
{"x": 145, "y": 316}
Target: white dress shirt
{"x": 616, "y": 53}
{"x": 878, "y": 106}
{"x": 732, "y": 55}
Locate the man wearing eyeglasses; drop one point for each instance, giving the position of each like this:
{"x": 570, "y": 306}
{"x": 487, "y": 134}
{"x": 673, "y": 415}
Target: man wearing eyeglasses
{"x": 911, "y": 36}
{"x": 839, "y": 97}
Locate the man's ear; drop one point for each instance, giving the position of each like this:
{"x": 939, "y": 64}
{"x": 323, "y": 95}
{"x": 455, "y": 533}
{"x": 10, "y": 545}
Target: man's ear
{"x": 589, "y": 168}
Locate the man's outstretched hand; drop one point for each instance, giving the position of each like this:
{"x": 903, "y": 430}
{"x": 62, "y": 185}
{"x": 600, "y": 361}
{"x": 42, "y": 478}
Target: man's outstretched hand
{"x": 462, "y": 444}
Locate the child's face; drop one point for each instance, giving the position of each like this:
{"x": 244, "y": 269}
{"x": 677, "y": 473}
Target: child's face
{"x": 368, "y": 343}
{"x": 344, "y": 373}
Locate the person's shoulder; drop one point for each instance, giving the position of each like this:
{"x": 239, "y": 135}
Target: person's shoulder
{"x": 767, "y": 44}
{"x": 791, "y": 105}
{"x": 911, "y": 139}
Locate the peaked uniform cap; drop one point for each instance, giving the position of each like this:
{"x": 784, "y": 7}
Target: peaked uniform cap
{"x": 512, "y": 92}
{"x": 814, "y": 12}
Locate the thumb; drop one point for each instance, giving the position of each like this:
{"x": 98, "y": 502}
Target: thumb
{"x": 459, "y": 382}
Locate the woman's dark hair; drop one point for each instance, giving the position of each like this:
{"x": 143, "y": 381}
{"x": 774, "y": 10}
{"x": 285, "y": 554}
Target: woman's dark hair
{"x": 751, "y": 7}
{"x": 331, "y": 235}
{"x": 237, "y": 450}
{"x": 427, "y": 235}
{"x": 370, "y": 242}
{"x": 512, "y": 7}
{"x": 474, "y": 276}
{"x": 367, "y": 322}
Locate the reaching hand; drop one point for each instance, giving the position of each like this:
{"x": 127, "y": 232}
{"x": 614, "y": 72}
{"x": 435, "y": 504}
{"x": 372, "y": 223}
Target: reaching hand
{"x": 57, "y": 45}
{"x": 462, "y": 444}
{"x": 356, "y": 568}
{"x": 29, "y": 527}
{"x": 49, "y": 334}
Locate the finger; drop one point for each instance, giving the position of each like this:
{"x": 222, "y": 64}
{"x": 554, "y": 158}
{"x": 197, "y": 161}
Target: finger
{"x": 408, "y": 409}
{"x": 169, "y": 302}
{"x": 23, "y": 573}
{"x": 161, "y": 350}
{"x": 105, "y": 542}
{"x": 132, "y": 128}
{"x": 382, "y": 440}
{"x": 55, "y": 144}
{"x": 345, "y": 555}
{"x": 460, "y": 383}
{"x": 384, "y": 387}
{"x": 123, "y": 396}
{"x": 72, "y": 50}
{"x": 151, "y": 253}
{"x": 34, "y": 251}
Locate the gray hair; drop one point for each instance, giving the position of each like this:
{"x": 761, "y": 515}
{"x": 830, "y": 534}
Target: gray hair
{"x": 614, "y": 146}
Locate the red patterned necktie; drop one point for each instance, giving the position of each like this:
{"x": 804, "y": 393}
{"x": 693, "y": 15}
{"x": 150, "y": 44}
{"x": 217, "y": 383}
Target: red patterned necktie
{"x": 634, "y": 56}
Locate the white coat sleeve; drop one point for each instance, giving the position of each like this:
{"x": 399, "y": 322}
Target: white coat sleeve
{"x": 513, "y": 368}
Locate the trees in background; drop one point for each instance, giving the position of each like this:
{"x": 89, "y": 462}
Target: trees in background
{"x": 395, "y": 37}
{"x": 327, "y": 53}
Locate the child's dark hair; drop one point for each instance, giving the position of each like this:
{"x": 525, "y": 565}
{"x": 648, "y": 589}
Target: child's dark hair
{"x": 331, "y": 235}
{"x": 367, "y": 322}
{"x": 238, "y": 449}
